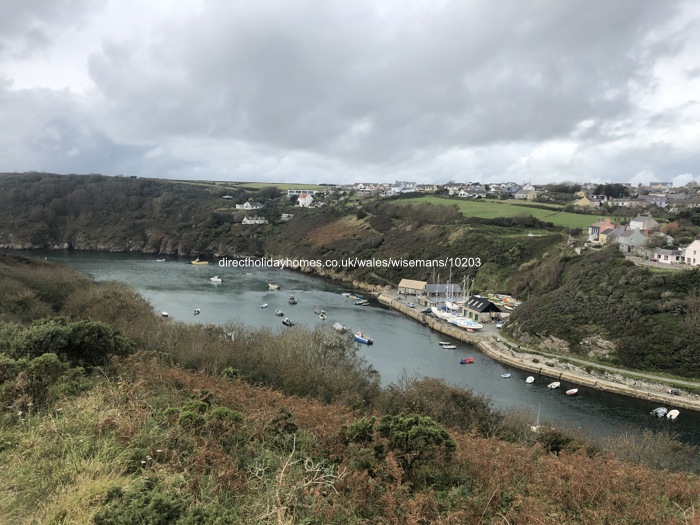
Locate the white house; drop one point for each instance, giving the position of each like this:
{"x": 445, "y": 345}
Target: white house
{"x": 305, "y": 200}
{"x": 644, "y": 222}
{"x": 299, "y": 192}
{"x": 692, "y": 253}
{"x": 249, "y": 206}
{"x": 286, "y": 216}
{"x": 401, "y": 187}
{"x": 254, "y": 220}
{"x": 666, "y": 256}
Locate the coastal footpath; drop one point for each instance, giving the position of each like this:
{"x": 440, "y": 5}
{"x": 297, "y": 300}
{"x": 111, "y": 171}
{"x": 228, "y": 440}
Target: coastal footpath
{"x": 492, "y": 346}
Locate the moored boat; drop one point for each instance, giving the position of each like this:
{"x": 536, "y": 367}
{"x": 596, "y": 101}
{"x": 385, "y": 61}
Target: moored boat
{"x": 672, "y": 414}
{"x": 659, "y": 412}
{"x": 505, "y": 376}
{"x": 215, "y": 279}
{"x": 197, "y": 261}
{"x": 197, "y": 311}
{"x": 362, "y": 338}
{"x": 279, "y": 313}
{"x": 287, "y": 322}
{"x": 264, "y": 305}
{"x": 466, "y": 361}
{"x": 530, "y": 380}
{"x": 273, "y": 286}
{"x": 339, "y": 327}
{"x": 572, "y": 392}
{"x": 554, "y": 385}
{"x": 449, "y": 347}
{"x": 292, "y": 299}
{"x": 322, "y": 316}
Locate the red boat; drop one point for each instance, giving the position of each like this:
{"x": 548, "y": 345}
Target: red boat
{"x": 467, "y": 361}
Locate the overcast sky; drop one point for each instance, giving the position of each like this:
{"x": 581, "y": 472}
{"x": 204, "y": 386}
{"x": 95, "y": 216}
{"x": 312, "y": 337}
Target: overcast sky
{"x": 350, "y": 91}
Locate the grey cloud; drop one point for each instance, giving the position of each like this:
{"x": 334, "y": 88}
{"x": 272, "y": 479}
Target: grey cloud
{"x": 344, "y": 82}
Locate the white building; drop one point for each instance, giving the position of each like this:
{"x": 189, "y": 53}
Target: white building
{"x": 249, "y": 206}
{"x": 692, "y": 253}
{"x": 255, "y": 219}
{"x": 305, "y": 200}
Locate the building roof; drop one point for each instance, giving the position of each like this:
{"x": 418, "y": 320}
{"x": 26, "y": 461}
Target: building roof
{"x": 410, "y": 283}
{"x": 481, "y": 304}
{"x": 443, "y": 288}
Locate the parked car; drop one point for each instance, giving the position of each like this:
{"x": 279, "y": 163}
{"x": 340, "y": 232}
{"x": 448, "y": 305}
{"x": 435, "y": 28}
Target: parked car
{"x": 500, "y": 324}
{"x": 410, "y": 305}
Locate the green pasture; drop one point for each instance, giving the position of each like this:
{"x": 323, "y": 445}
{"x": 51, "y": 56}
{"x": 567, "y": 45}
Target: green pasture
{"x": 491, "y": 209}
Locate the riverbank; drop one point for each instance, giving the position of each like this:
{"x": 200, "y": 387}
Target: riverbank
{"x": 490, "y": 343}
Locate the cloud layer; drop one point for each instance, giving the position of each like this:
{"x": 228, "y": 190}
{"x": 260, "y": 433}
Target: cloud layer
{"x": 363, "y": 90}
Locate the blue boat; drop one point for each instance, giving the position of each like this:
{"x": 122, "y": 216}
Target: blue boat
{"x": 362, "y": 338}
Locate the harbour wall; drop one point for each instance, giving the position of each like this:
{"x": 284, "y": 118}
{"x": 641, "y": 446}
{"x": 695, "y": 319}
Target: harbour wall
{"x": 501, "y": 353}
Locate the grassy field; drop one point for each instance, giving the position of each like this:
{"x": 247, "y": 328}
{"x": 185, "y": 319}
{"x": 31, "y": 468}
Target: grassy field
{"x": 254, "y": 185}
{"x": 490, "y": 209}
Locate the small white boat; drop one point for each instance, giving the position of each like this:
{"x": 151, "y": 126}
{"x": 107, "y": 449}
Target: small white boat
{"x": 322, "y": 316}
{"x": 215, "y": 279}
{"x": 659, "y": 412}
{"x": 287, "y": 322}
{"x": 160, "y": 260}
{"x": 572, "y": 392}
{"x": 197, "y": 311}
{"x": 264, "y": 305}
{"x": 273, "y": 286}
{"x": 279, "y": 313}
{"x": 530, "y": 380}
{"x": 554, "y": 385}
{"x": 443, "y": 343}
{"x": 346, "y": 294}
{"x": 339, "y": 327}
{"x": 449, "y": 347}
{"x": 362, "y": 338}
{"x": 164, "y": 314}
{"x": 672, "y": 414}
{"x": 292, "y": 299}
{"x": 505, "y": 376}
{"x": 362, "y": 302}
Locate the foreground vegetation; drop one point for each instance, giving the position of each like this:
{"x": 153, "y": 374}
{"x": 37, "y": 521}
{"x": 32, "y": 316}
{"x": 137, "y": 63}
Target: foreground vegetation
{"x": 129, "y": 418}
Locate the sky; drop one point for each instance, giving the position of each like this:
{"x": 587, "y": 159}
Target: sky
{"x": 368, "y": 90}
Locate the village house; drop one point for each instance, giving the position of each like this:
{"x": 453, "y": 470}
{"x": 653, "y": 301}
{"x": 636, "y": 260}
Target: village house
{"x": 299, "y": 192}
{"x": 666, "y": 256}
{"x": 524, "y": 194}
{"x": 595, "y": 229}
{"x": 249, "y": 206}
{"x": 305, "y": 200}
{"x": 286, "y": 216}
{"x": 692, "y": 253}
{"x": 401, "y": 187}
{"x": 644, "y": 223}
{"x": 583, "y": 202}
{"x": 631, "y": 241}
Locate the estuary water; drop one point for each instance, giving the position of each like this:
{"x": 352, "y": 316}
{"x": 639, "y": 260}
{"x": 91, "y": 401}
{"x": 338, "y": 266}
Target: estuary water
{"x": 401, "y": 345}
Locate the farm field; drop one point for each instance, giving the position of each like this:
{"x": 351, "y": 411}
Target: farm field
{"x": 490, "y": 209}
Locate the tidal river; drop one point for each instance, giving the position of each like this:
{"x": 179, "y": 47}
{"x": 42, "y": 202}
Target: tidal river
{"x": 401, "y": 345}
